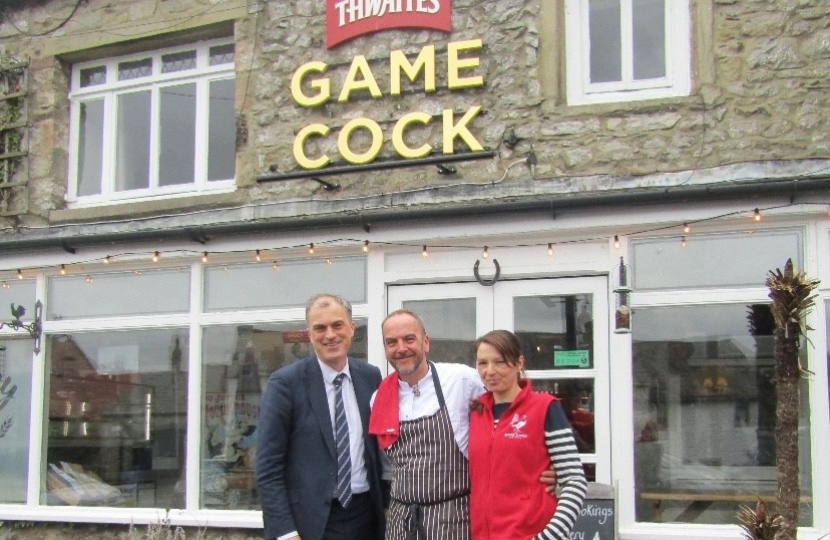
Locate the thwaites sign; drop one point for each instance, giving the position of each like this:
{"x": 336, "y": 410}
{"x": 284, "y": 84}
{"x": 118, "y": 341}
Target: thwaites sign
{"x": 347, "y": 19}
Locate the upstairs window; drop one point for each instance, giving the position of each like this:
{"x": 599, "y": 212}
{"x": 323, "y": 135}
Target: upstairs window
{"x": 153, "y": 124}
{"x": 627, "y": 50}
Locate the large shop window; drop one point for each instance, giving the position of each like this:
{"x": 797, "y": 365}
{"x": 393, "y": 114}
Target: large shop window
{"x": 121, "y": 351}
{"x": 703, "y": 370}
{"x": 626, "y": 50}
{"x": 154, "y": 124}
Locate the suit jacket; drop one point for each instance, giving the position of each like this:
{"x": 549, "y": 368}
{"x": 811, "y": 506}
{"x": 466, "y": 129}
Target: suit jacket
{"x": 296, "y": 463}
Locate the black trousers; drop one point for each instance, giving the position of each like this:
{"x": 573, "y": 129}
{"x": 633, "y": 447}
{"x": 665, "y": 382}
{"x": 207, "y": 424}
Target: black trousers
{"x": 357, "y": 522}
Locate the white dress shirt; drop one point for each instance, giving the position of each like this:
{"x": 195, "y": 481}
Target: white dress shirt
{"x": 459, "y": 384}
{"x": 360, "y": 482}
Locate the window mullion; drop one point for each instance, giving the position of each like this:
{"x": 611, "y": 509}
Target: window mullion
{"x": 37, "y": 417}
{"x": 108, "y": 151}
{"x": 627, "y": 38}
{"x": 193, "y": 436}
{"x": 155, "y": 137}
{"x": 200, "y": 171}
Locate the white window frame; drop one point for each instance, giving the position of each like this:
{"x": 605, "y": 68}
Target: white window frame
{"x": 202, "y": 75}
{"x": 677, "y": 82}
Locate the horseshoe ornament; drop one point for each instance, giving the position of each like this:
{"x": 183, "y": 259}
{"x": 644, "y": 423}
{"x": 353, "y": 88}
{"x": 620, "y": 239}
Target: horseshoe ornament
{"x": 487, "y": 282}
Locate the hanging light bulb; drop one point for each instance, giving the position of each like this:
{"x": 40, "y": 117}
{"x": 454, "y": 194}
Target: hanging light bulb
{"x": 485, "y": 253}
{"x": 756, "y": 215}
{"x": 366, "y": 246}
{"x": 616, "y": 241}
{"x": 550, "y": 250}
{"x": 686, "y": 228}
{"x": 88, "y": 279}
{"x": 328, "y": 260}
{"x": 258, "y": 256}
{"x": 5, "y": 285}
{"x": 156, "y": 256}
{"x": 275, "y": 265}
{"x": 682, "y": 241}
{"x": 19, "y": 274}
{"x": 205, "y": 257}
{"x": 107, "y": 259}
{"x": 63, "y": 269}
{"x": 424, "y": 252}
{"x": 311, "y": 249}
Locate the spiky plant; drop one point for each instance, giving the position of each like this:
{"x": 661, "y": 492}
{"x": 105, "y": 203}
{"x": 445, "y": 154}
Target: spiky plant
{"x": 792, "y": 298}
{"x": 760, "y": 524}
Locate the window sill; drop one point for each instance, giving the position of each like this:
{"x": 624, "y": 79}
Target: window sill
{"x": 143, "y": 208}
{"x": 242, "y": 519}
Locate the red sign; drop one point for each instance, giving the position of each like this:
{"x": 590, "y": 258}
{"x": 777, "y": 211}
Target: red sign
{"x": 347, "y": 19}
{"x": 297, "y": 336}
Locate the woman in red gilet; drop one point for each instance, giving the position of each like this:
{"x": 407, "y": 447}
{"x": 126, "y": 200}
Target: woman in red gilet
{"x": 515, "y": 434}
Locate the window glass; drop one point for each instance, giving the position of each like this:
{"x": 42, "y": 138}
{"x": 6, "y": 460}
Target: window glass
{"x": 178, "y": 134}
{"x": 117, "y": 404}
{"x": 649, "y": 38}
{"x": 154, "y": 127}
{"x": 178, "y": 61}
{"x": 93, "y": 76}
{"x": 221, "y": 54}
{"x": 289, "y": 283}
{"x": 221, "y": 140}
{"x": 90, "y": 147}
{"x": 710, "y": 261}
{"x": 132, "y": 154}
{"x": 151, "y": 292}
{"x": 237, "y": 361}
{"x": 705, "y": 412}
{"x": 451, "y": 326}
{"x": 556, "y": 332}
{"x": 15, "y": 407}
{"x": 135, "y": 69}
{"x": 20, "y": 293}
{"x": 606, "y": 55}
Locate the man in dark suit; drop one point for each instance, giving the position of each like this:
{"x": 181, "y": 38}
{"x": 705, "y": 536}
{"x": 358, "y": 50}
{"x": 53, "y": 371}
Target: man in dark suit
{"x": 303, "y": 489}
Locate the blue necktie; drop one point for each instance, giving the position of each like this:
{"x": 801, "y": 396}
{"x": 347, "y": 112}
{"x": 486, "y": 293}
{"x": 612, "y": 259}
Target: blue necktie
{"x": 343, "y": 489}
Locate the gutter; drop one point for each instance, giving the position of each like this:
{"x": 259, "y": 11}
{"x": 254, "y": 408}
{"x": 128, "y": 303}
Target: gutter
{"x": 71, "y": 237}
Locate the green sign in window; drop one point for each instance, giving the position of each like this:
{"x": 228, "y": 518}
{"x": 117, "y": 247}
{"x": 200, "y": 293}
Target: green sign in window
{"x": 571, "y": 359}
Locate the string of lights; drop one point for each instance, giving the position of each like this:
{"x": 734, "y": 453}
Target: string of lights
{"x": 343, "y": 245}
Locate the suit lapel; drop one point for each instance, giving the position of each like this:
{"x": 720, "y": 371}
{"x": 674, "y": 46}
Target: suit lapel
{"x": 319, "y": 403}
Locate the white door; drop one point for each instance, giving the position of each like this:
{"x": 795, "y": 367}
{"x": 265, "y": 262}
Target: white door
{"x": 563, "y": 326}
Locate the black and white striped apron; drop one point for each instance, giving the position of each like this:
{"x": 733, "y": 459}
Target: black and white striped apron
{"x": 431, "y": 481}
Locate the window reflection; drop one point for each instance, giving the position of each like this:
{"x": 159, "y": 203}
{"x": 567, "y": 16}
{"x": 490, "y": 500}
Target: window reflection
{"x": 117, "y": 417}
{"x": 15, "y": 398}
{"x": 704, "y": 413}
{"x": 237, "y": 361}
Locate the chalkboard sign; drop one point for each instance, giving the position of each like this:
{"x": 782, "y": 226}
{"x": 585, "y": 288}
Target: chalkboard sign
{"x": 597, "y": 520}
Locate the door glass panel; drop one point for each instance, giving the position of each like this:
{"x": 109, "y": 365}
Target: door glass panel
{"x": 237, "y": 361}
{"x": 556, "y": 332}
{"x": 451, "y": 326}
{"x": 15, "y": 398}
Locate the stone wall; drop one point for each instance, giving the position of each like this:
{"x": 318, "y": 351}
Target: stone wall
{"x": 26, "y": 530}
{"x": 760, "y": 73}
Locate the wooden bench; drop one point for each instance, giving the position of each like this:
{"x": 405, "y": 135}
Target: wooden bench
{"x": 700, "y": 501}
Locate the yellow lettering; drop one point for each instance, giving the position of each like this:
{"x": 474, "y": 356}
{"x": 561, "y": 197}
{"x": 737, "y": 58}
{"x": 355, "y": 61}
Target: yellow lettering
{"x": 299, "y": 147}
{"x": 425, "y": 61}
{"x": 323, "y": 86}
{"x": 366, "y": 82}
{"x": 397, "y": 135}
{"x": 456, "y": 64}
{"x": 451, "y": 131}
{"x": 374, "y": 148}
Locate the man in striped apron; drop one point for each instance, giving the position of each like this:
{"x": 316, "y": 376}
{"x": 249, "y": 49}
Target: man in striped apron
{"x": 421, "y": 417}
